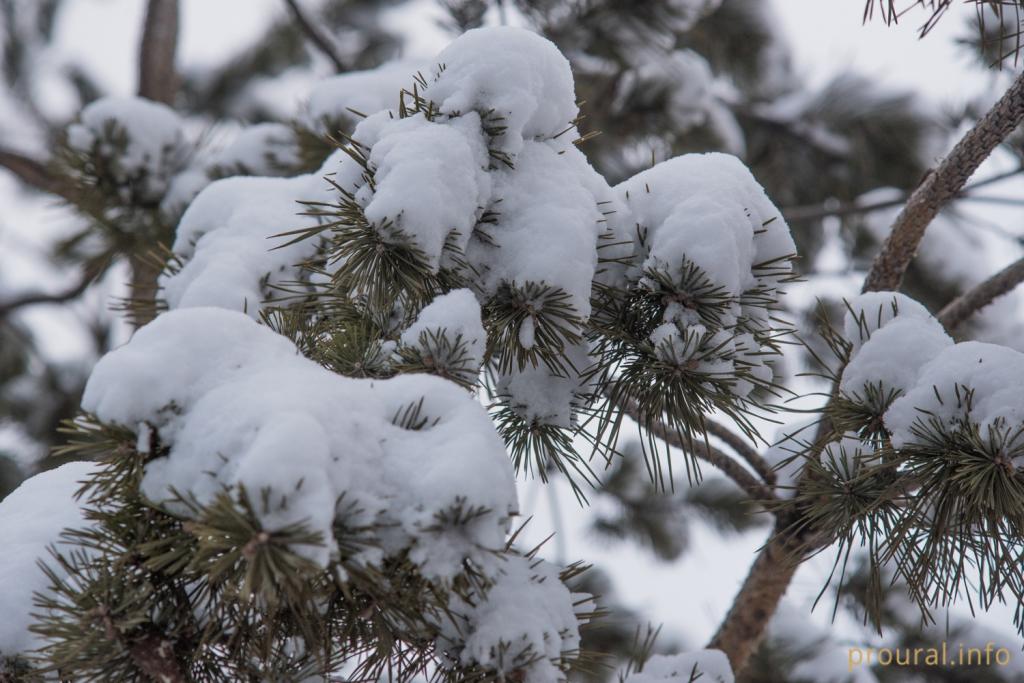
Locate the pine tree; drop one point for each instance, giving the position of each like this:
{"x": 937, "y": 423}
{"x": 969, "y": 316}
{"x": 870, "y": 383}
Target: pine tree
{"x": 656, "y": 300}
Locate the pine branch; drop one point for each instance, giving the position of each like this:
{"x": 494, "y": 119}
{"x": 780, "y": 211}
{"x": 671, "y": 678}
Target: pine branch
{"x": 941, "y": 186}
{"x": 319, "y": 40}
{"x": 8, "y": 307}
{"x": 31, "y": 171}
{"x": 744, "y": 449}
{"x": 729, "y": 467}
{"x": 158, "y": 80}
{"x": 981, "y": 295}
{"x": 776, "y": 563}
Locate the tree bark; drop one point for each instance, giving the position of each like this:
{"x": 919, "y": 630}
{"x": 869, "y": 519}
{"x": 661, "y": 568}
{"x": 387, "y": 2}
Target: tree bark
{"x": 158, "y": 80}
{"x": 741, "y": 631}
{"x": 942, "y": 185}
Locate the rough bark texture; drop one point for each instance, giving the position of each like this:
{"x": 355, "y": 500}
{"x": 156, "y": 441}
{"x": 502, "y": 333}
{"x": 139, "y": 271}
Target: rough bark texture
{"x": 942, "y": 185}
{"x": 155, "y": 657}
{"x": 158, "y": 80}
{"x": 976, "y": 298}
{"x": 759, "y": 596}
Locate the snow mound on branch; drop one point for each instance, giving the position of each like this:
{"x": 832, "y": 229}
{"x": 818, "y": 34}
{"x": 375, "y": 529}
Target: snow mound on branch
{"x": 244, "y": 409}
{"x": 937, "y": 384}
{"x": 32, "y": 518}
{"x": 518, "y": 75}
{"x": 711, "y": 666}
{"x": 707, "y": 212}
{"x": 141, "y": 143}
{"x": 429, "y": 180}
{"x": 263, "y": 149}
{"x": 222, "y": 239}
{"x": 455, "y": 316}
{"x": 971, "y": 382}
{"x": 350, "y": 96}
{"x": 526, "y": 614}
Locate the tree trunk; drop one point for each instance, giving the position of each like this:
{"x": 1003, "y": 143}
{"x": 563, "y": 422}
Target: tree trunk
{"x": 743, "y": 628}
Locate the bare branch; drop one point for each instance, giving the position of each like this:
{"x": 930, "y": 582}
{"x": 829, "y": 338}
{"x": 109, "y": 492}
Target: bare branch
{"x": 158, "y": 80}
{"x": 810, "y": 212}
{"x": 706, "y": 452}
{"x": 319, "y": 40}
{"x": 744, "y": 449}
{"x": 30, "y": 171}
{"x": 981, "y": 295}
{"x": 939, "y": 187}
{"x": 8, "y": 307}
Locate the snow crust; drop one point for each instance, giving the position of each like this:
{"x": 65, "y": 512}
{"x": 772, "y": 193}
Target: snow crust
{"x": 32, "y": 518}
{"x": 705, "y": 665}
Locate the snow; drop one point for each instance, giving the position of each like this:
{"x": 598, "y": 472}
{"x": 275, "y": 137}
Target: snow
{"x": 154, "y": 148}
{"x": 513, "y": 72}
{"x": 429, "y": 180}
{"x": 900, "y": 347}
{"x": 708, "y": 211}
{"x": 545, "y": 202}
{"x": 525, "y": 614}
{"x": 222, "y": 239}
{"x": 711, "y": 666}
{"x": 456, "y": 316}
{"x": 263, "y": 149}
{"x": 32, "y": 518}
{"x": 894, "y": 354}
{"x": 244, "y": 409}
{"x": 970, "y": 382}
{"x": 334, "y": 101}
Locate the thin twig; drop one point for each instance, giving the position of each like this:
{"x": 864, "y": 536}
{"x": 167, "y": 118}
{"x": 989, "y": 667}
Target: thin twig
{"x": 703, "y": 451}
{"x": 981, "y": 295}
{"x": 30, "y": 171}
{"x": 31, "y": 299}
{"x": 321, "y": 41}
{"x": 158, "y": 80}
{"x": 744, "y": 449}
{"x": 811, "y": 212}
{"x": 941, "y": 186}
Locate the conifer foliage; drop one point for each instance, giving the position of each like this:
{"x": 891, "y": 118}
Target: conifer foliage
{"x": 311, "y": 489}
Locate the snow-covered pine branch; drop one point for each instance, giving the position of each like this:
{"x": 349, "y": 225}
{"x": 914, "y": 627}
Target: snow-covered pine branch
{"x": 459, "y": 233}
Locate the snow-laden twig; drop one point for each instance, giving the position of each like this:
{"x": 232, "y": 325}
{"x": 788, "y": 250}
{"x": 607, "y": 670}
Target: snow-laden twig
{"x": 981, "y": 295}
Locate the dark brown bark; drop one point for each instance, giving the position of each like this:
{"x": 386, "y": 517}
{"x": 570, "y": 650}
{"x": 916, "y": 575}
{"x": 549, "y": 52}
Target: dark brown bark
{"x": 158, "y": 80}
{"x": 155, "y": 657}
